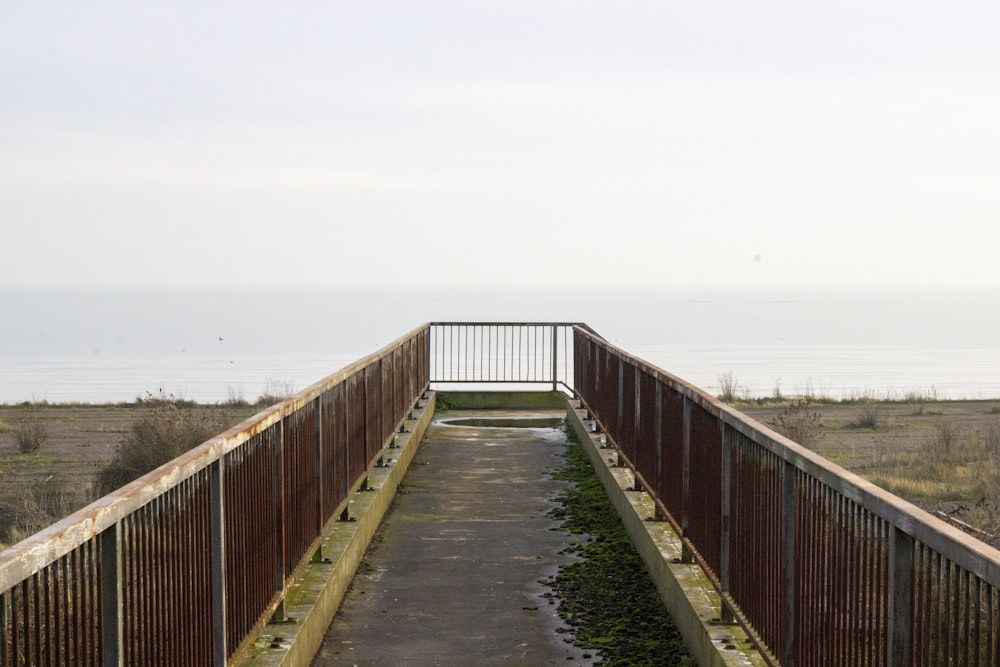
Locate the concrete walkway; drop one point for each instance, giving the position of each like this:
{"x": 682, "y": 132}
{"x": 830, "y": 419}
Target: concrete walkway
{"x": 452, "y": 578}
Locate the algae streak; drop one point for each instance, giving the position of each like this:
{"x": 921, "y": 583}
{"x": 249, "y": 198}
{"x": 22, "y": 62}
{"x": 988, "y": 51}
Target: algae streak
{"x": 608, "y": 597}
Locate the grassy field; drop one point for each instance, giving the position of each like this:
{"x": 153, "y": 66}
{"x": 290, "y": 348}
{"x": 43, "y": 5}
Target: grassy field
{"x": 78, "y": 440}
{"x": 941, "y": 455}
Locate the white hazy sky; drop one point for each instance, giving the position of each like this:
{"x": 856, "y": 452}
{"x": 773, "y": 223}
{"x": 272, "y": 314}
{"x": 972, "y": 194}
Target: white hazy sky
{"x": 513, "y": 142}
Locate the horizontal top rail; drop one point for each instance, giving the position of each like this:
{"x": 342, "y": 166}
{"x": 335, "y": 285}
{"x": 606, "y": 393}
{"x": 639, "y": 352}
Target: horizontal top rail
{"x": 22, "y": 559}
{"x": 580, "y": 325}
{"x": 963, "y": 549}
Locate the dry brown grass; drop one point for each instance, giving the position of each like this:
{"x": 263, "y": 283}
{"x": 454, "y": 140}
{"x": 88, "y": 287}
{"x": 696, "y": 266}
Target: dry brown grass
{"x": 943, "y": 457}
{"x": 38, "y": 488}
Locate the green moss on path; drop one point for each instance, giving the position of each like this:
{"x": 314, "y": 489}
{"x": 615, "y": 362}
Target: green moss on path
{"x": 607, "y": 596}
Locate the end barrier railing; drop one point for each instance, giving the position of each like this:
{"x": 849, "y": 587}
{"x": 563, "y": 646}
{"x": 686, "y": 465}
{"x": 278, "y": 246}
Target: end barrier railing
{"x": 182, "y": 566}
{"x": 822, "y": 567}
{"x": 504, "y": 353}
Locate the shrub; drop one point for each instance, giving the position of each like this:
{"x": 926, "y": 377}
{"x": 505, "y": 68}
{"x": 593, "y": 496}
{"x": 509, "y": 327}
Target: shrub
{"x": 991, "y": 436}
{"x": 941, "y": 445}
{"x": 798, "y": 422}
{"x": 918, "y": 398}
{"x": 275, "y": 391}
{"x": 235, "y": 398}
{"x": 164, "y": 433}
{"x": 31, "y": 432}
{"x": 870, "y": 415}
{"x": 728, "y": 387}
{"x": 36, "y": 507}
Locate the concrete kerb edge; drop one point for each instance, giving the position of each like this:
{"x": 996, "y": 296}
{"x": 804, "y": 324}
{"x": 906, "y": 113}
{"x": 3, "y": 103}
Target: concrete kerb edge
{"x": 316, "y": 595}
{"x": 685, "y": 589}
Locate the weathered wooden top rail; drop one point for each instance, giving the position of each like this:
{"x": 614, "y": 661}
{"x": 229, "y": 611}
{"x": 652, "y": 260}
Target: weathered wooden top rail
{"x": 185, "y": 564}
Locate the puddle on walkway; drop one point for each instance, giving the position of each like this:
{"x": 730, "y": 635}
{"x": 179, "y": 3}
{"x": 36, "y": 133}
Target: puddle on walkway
{"x": 500, "y": 422}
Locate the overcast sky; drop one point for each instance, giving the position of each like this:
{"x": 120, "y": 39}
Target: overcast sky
{"x": 514, "y": 142}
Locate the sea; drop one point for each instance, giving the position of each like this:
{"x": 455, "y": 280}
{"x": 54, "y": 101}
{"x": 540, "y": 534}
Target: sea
{"x": 92, "y": 345}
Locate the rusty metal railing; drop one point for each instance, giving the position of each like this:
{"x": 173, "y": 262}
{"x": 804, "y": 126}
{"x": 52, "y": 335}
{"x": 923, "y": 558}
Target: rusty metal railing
{"x": 521, "y": 353}
{"x": 822, "y": 567}
{"x": 181, "y": 566}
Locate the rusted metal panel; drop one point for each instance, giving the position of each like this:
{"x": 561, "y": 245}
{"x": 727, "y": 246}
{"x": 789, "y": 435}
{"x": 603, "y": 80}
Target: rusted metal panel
{"x": 167, "y": 592}
{"x": 705, "y": 469}
{"x": 356, "y": 426}
{"x": 252, "y": 541}
{"x": 646, "y": 424}
{"x": 333, "y": 439}
{"x": 300, "y": 485}
{"x": 671, "y": 486}
{"x": 757, "y": 578}
{"x": 372, "y": 381}
{"x": 627, "y": 413}
{"x": 46, "y": 618}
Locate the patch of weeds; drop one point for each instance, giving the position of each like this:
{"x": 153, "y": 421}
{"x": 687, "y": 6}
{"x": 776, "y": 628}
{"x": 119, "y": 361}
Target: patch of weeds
{"x": 442, "y": 403}
{"x": 870, "y": 415}
{"x": 31, "y": 432}
{"x": 728, "y": 387}
{"x": 162, "y": 434}
{"x": 275, "y": 391}
{"x": 607, "y": 596}
{"x": 798, "y": 422}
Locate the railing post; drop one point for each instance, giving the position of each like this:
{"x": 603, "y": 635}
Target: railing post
{"x": 686, "y": 555}
{"x": 726, "y": 615}
{"x": 659, "y": 452}
{"x": 218, "y": 537}
{"x": 279, "y": 490}
{"x": 621, "y": 399}
{"x": 901, "y": 594}
{"x": 789, "y": 519}
{"x": 318, "y": 467}
{"x": 636, "y": 421}
{"x": 111, "y": 595}
{"x": 555, "y": 354}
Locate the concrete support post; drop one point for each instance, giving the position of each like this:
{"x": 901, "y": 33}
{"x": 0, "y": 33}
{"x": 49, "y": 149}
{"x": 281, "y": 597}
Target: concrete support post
{"x": 901, "y": 548}
{"x": 218, "y": 537}
{"x": 111, "y": 595}
{"x": 789, "y": 519}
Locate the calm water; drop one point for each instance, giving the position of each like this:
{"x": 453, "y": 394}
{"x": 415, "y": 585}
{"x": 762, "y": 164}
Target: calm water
{"x": 111, "y": 345}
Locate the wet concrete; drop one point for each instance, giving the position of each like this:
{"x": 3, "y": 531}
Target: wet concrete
{"x": 452, "y": 577}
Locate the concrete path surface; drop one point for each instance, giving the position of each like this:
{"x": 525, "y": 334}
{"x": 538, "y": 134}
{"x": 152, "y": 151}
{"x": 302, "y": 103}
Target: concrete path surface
{"x": 453, "y": 576}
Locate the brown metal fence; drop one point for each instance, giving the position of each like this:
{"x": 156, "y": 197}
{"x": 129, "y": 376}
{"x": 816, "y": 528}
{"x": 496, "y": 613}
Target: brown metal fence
{"x": 821, "y": 566}
{"x": 523, "y": 353}
{"x": 180, "y": 566}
